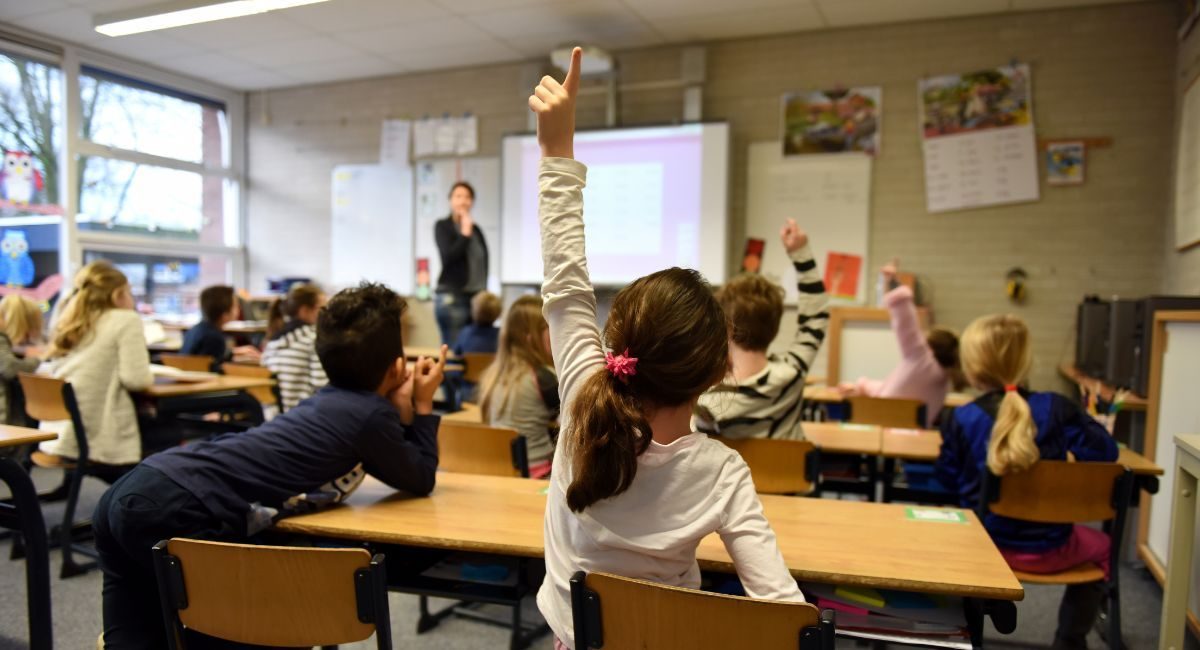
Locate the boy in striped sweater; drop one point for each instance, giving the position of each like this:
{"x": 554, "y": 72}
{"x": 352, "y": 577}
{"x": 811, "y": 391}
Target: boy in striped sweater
{"x": 762, "y": 395}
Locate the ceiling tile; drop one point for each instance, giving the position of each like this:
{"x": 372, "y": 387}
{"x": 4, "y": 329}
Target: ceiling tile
{"x": 237, "y": 33}
{"x": 842, "y": 13}
{"x": 1026, "y": 5}
{"x": 13, "y": 9}
{"x": 257, "y": 79}
{"x": 205, "y": 65}
{"x": 738, "y": 23}
{"x": 105, "y": 6}
{"x": 464, "y": 7}
{"x": 436, "y": 34}
{"x": 151, "y": 46}
{"x": 357, "y": 67}
{"x": 480, "y": 52}
{"x": 690, "y": 8}
{"x": 316, "y": 48}
{"x": 73, "y": 24}
{"x": 345, "y": 15}
{"x": 604, "y": 23}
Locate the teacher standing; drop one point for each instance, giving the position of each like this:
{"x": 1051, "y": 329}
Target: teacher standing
{"x": 464, "y": 256}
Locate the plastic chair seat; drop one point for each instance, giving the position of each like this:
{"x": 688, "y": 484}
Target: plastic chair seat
{"x": 1077, "y": 575}
{"x": 51, "y": 461}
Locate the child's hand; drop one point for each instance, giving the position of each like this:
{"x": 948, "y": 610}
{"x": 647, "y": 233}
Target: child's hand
{"x": 426, "y": 377}
{"x": 889, "y": 270}
{"x": 554, "y": 104}
{"x": 247, "y": 352}
{"x": 402, "y": 399}
{"x": 792, "y": 237}
{"x": 848, "y": 389}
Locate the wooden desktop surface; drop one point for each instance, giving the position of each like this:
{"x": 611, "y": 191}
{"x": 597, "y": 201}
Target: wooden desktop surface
{"x": 841, "y": 438}
{"x": 822, "y": 540}
{"x": 217, "y": 384}
{"x": 11, "y": 436}
{"x": 831, "y": 394}
{"x": 925, "y": 444}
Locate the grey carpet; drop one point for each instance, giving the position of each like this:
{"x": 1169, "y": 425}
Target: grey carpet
{"x": 76, "y": 607}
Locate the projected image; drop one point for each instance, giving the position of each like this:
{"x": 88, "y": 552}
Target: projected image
{"x": 650, "y": 194}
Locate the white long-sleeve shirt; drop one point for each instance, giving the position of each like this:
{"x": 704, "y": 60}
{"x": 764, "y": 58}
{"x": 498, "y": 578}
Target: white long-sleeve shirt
{"x": 102, "y": 369}
{"x": 683, "y": 491}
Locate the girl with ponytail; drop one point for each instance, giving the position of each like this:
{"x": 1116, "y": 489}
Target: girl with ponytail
{"x": 1008, "y": 430}
{"x": 291, "y": 352}
{"x": 634, "y": 489}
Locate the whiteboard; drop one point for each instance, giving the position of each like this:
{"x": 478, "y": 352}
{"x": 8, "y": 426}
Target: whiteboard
{"x": 1187, "y": 170}
{"x": 1178, "y": 412}
{"x": 829, "y": 196}
{"x": 433, "y": 181}
{"x": 868, "y": 349}
{"x": 371, "y": 232}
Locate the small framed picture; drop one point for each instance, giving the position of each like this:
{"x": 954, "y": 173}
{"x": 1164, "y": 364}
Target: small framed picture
{"x": 1065, "y": 163}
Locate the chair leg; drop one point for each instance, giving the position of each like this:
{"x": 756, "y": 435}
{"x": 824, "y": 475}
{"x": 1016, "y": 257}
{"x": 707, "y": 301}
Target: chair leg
{"x": 426, "y": 621}
{"x": 70, "y": 567}
{"x": 517, "y": 638}
{"x": 1113, "y": 600}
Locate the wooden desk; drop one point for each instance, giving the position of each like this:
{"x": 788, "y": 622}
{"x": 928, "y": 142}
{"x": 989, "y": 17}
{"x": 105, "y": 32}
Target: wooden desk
{"x": 832, "y": 395}
{"x": 218, "y": 384}
{"x": 470, "y": 414}
{"x": 841, "y": 438}
{"x": 1091, "y": 384}
{"x": 822, "y": 540}
{"x": 1183, "y": 544}
{"x": 911, "y": 444}
{"x": 169, "y": 345}
{"x": 414, "y": 352}
{"x": 247, "y": 327}
{"x": 24, "y": 514}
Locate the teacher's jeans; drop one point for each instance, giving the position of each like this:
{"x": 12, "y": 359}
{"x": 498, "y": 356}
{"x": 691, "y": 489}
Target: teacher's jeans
{"x": 453, "y": 312}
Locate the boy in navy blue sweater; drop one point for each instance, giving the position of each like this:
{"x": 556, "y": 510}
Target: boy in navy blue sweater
{"x": 374, "y": 417}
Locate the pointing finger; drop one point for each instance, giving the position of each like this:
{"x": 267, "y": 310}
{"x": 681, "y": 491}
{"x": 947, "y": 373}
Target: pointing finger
{"x": 571, "y": 82}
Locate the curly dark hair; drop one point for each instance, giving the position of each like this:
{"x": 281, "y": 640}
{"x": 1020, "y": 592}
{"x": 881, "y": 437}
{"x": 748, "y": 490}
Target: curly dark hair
{"x": 358, "y": 336}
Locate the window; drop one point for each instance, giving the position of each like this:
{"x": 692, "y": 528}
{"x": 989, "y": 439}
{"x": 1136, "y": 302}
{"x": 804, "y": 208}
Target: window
{"x": 31, "y": 137}
{"x": 154, "y": 162}
{"x": 167, "y": 285}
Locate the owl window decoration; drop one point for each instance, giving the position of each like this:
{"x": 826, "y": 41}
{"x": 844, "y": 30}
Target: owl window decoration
{"x": 23, "y": 185}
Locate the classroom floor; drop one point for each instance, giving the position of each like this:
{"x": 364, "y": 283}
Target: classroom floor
{"x": 76, "y": 604}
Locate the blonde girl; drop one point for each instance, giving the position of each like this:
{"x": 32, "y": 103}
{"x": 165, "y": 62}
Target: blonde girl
{"x": 520, "y": 390}
{"x": 98, "y": 346}
{"x": 634, "y": 488}
{"x": 23, "y": 322}
{"x": 20, "y": 325}
{"x": 1006, "y": 431}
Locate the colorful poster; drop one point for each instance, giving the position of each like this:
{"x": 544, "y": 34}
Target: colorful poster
{"x": 752, "y": 258}
{"x": 832, "y": 121}
{"x": 841, "y": 275}
{"x": 1064, "y": 163}
{"x": 979, "y": 140}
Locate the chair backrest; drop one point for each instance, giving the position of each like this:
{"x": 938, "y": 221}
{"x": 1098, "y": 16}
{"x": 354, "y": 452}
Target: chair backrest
{"x": 188, "y": 362}
{"x": 1059, "y": 492}
{"x": 470, "y": 448}
{"x": 264, "y": 394}
{"x": 272, "y": 595}
{"x": 778, "y": 466}
{"x": 615, "y": 612}
{"x": 49, "y": 399}
{"x": 887, "y": 412}
{"x": 474, "y": 365}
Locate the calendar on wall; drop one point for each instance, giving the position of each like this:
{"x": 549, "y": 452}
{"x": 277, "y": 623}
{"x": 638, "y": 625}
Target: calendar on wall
{"x": 978, "y": 139}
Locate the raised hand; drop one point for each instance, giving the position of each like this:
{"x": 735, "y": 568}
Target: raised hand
{"x": 554, "y": 104}
{"x": 792, "y": 236}
{"x": 889, "y": 270}
{"x": 427, "y": 376}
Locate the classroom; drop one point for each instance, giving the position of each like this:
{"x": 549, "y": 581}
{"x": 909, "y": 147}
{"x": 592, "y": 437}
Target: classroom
{"x": 565, "y": 324}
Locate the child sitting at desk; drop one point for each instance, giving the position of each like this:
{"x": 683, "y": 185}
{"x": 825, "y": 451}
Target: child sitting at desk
{"x": 20, "y": 333}
{"x": 375, "y": 416}
{"x": 520, "y": 389}
{"x": 761, "y": 397}
{"x": 218, "y": 306}
{"x": 634, "y": 489}
{"x": 1007, "y": 430}
{"x": 480, "y": 335}
{"x": 291, "y": 351}
{"x": 98, "y": 347}
{"x": 928, "y": 364}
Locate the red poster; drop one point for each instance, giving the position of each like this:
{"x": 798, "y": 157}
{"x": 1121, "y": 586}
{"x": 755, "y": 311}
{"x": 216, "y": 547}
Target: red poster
{"x": 841, "y": 274}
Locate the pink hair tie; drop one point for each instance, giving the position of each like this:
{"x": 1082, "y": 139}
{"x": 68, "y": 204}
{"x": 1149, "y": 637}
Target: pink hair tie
{"x": 621, "y": 366}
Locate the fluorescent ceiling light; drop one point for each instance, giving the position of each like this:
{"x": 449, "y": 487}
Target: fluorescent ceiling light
{"x": 186, "y": 12}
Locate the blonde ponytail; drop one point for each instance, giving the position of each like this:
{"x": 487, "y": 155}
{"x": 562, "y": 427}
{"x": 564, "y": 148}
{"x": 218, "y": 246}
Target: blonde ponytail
{"x": 94, "y": 291}
{"x": 1012, "y": 447}
{"x": 996, "y": 354}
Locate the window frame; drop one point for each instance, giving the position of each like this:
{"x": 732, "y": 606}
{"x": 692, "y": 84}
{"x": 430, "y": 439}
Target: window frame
{"x": 71, "y": 60}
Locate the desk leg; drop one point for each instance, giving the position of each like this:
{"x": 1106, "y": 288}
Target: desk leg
{"x": 1002, "y": 612}
{"x": 37, "y": 554}
{"x": 1179, "y": 562}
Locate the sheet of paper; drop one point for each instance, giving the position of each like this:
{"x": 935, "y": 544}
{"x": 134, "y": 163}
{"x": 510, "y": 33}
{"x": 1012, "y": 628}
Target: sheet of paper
{"x": 468, "y": 135}
{"x": 423, "y": 138}
{"x": 394, "y": 142}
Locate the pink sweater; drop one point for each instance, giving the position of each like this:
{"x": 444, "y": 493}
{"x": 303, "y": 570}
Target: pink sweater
{"x": 918, "y": 376}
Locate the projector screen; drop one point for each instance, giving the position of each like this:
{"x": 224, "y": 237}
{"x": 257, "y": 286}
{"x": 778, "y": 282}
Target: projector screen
{"x": 655, "y": 198}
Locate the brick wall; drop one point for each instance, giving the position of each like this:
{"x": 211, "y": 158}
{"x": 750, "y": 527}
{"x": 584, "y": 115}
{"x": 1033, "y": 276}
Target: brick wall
{"x": 1182, "y": 269}
{"x": 1102, "y": 71}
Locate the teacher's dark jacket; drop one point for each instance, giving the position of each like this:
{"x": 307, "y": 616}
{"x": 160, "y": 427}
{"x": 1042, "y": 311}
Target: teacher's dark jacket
{"x": 453, "y": 248}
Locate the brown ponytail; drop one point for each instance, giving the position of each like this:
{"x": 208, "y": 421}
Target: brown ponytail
{"x": 673, "y": 325}
{"x": 275, "y": 318}
{"x": 996, "y": 355}
{"x": 287, "y": 306}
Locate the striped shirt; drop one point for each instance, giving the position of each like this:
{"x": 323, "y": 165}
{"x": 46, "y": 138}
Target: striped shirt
{"x": 292, "y": 356}
{"x": 767, "y": 403}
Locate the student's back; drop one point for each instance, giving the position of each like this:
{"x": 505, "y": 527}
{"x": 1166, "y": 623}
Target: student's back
{"x": 291, "y": 347}
{"x": 481, "y": 335}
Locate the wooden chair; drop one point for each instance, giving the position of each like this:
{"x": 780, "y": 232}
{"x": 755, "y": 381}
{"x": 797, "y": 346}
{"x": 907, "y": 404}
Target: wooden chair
{"x": 272, "y": 595}
{"x": 779, "y": 466}
{"x": 1064, "y": 492}
{"x": 887, "y": 412}
{"x": 188, "y": 362}
{"x": 469, "y": 448}
{"x": 266, "y": 395}
{"x": 474, "y": 365}
{"x": 51, "y": 400}
{"x": 615, "y": 612}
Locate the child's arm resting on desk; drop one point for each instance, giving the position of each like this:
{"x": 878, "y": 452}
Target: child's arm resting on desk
{"x": 405, "y": 455}
{"x": 570, "y": 303}
{"x": 812, "y": 303}
{"x": 752, "y": 544}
